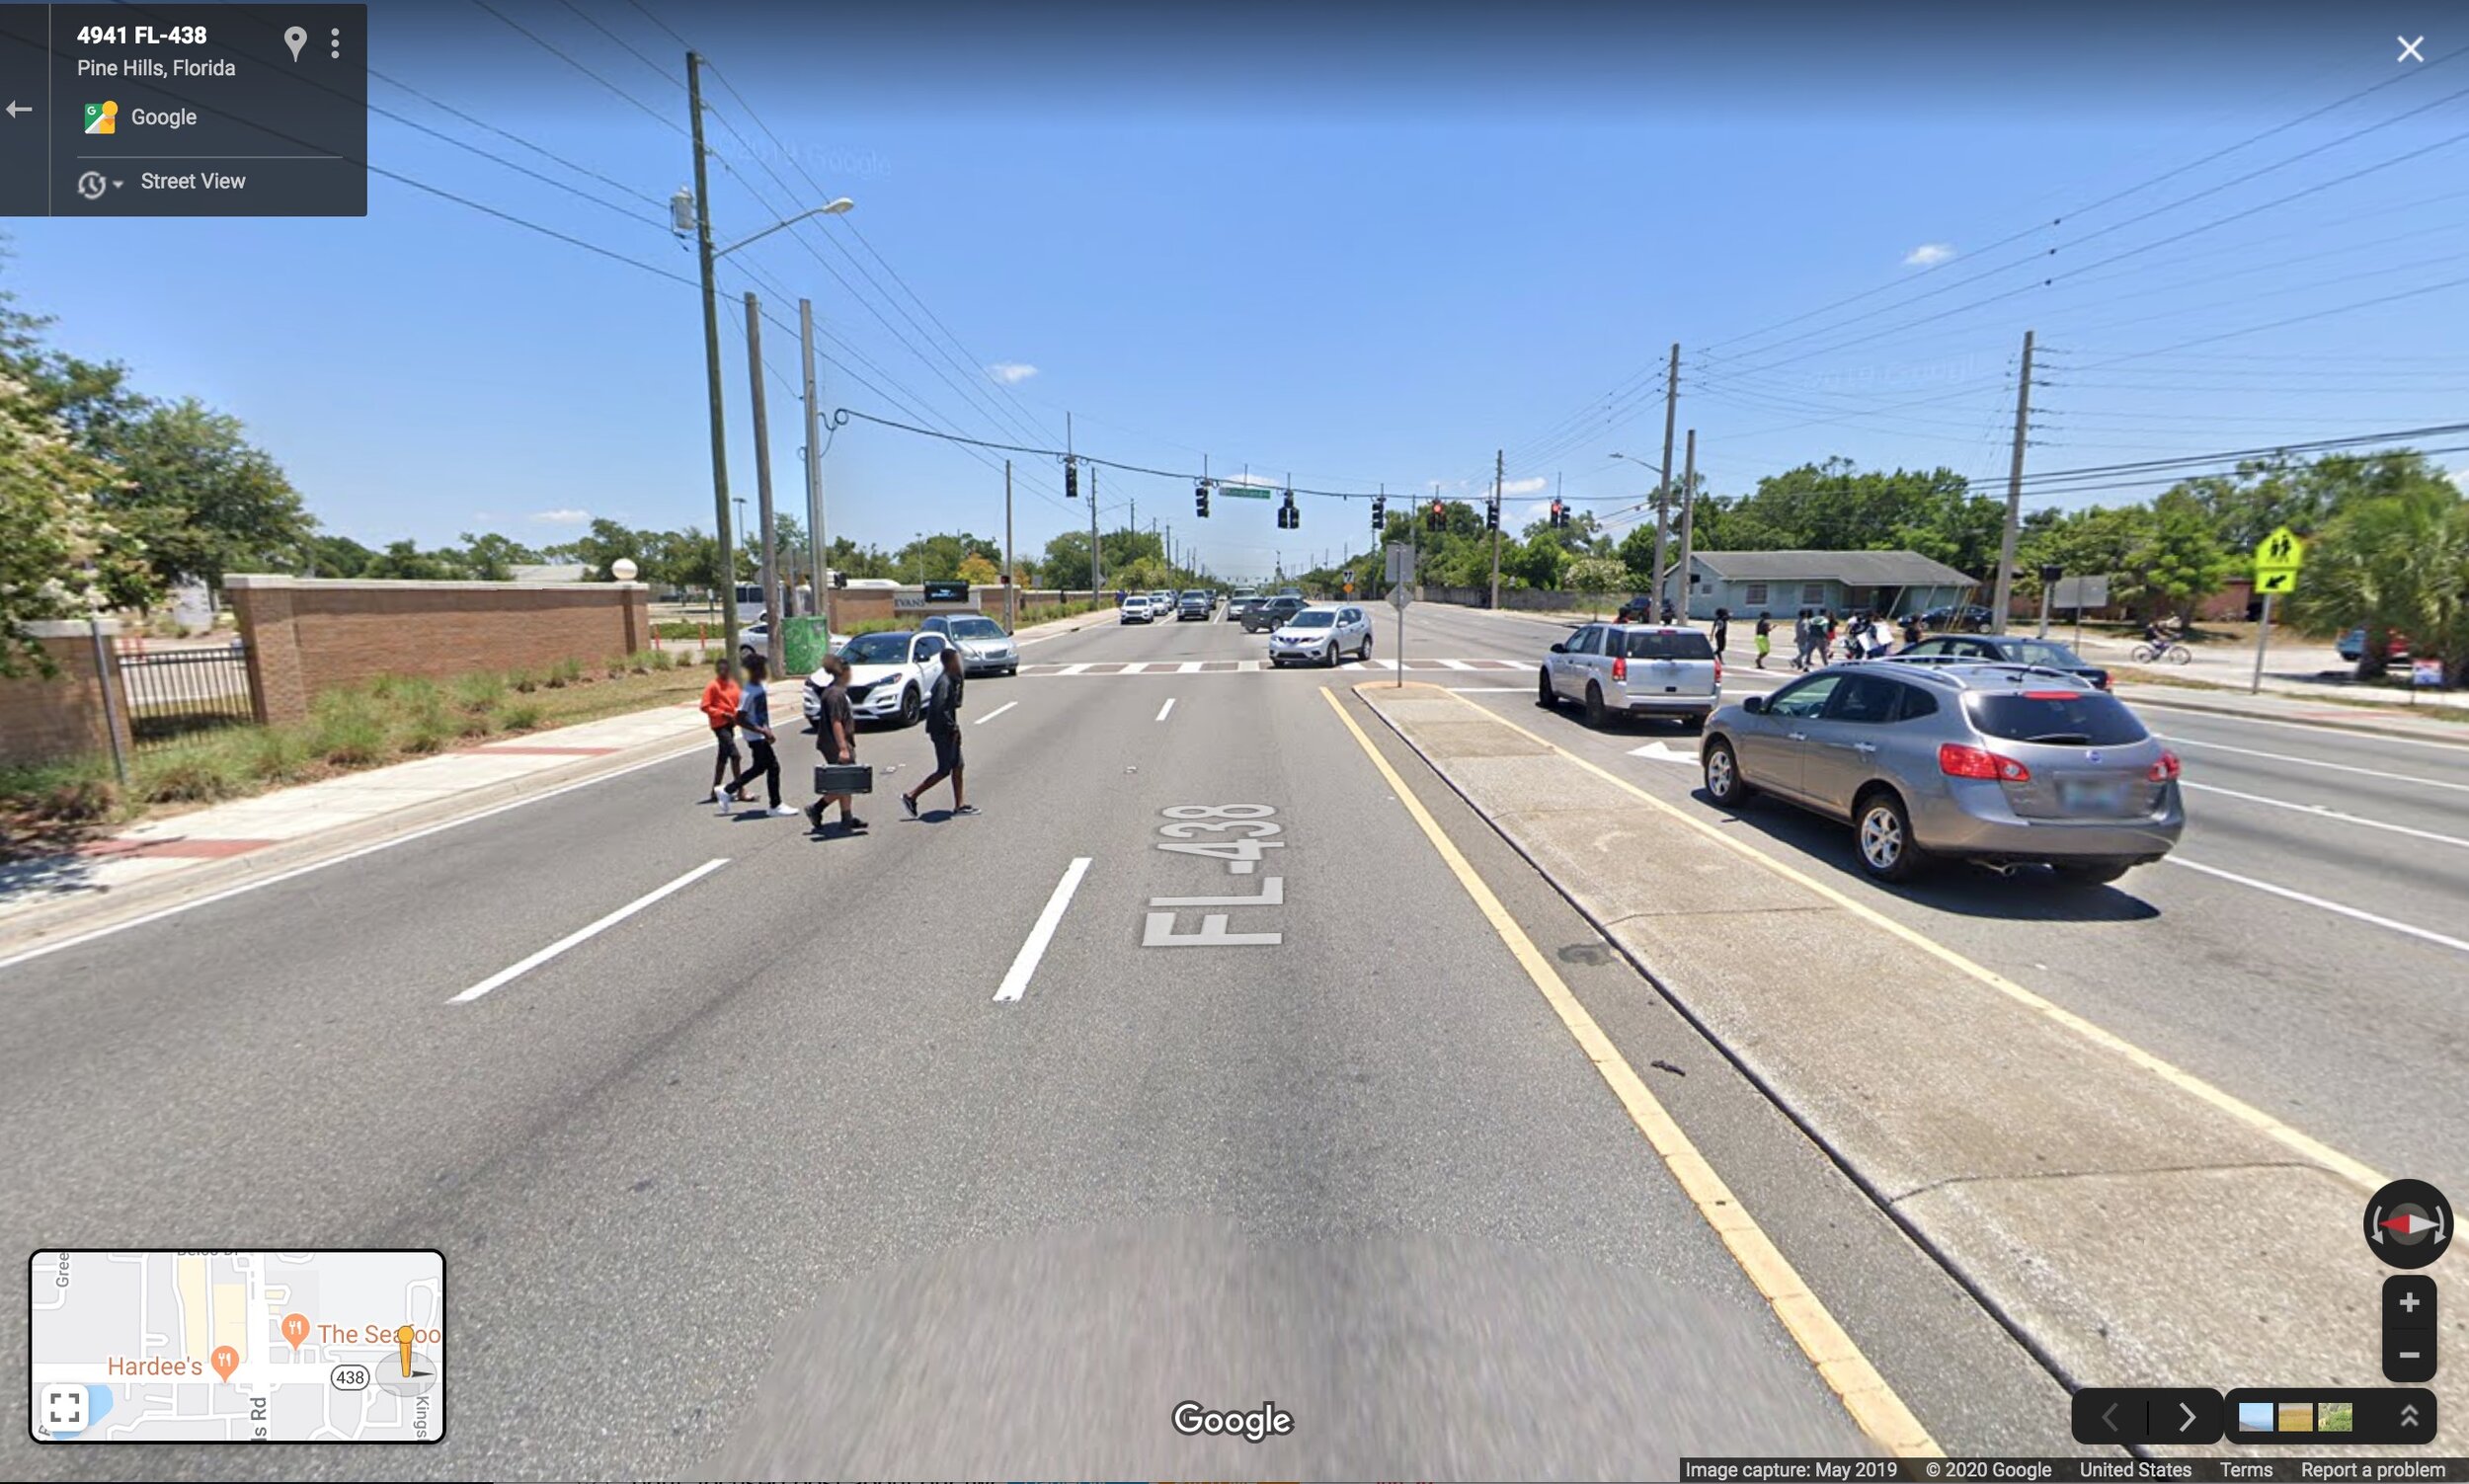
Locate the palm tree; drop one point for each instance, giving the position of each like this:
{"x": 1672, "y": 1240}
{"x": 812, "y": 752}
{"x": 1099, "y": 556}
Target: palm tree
{"x": 2397, "y": 565}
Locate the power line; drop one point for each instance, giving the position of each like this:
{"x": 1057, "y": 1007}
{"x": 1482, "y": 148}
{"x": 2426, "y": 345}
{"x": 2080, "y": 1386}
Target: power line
{"x": 589, "y": 19}
{"x": 561, "y": 55}
{"x": 448, "y": 108}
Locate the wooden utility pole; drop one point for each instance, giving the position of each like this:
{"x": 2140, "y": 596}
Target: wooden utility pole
{"x": 726, "y": 577}
{"x": 2014, "y": 497}
{"x": 1663, "y": 486}
{"x": 1011, "y": 572}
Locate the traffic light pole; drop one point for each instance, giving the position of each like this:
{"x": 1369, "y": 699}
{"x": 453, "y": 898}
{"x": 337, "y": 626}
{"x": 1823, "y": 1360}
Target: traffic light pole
{"x": 1499, "y": 465}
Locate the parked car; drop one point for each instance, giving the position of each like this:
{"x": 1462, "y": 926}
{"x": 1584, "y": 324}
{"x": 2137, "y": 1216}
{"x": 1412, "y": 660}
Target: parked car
{"x": 1970, "y": 618}
{"x": 1633, "y": 670}
{"x": 2352, "y": 645}
{"x": 1638, "y": 609}
{"x": 888, "y": 677}
{"x": 986, "y": 648}
{"x": 1195, "y": 604}
{"x": 2049, "y": 654}
{"x": 1970, "y": 761}
{"x": 1135, "y": 610}
{"x": 1322, "y": 634}
{"x": 1271, "y": 613}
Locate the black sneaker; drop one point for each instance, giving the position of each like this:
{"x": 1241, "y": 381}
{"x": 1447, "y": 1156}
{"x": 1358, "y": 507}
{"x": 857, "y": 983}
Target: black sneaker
{"x": 910, "y": 805}
{"x": 814, "y": 816}
{"x": 854, "y": 825}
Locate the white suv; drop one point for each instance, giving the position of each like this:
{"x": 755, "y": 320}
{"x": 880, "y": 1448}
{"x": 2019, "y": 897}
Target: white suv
{"x": 1322, "y": 634}
{"x": 1135, "y": 610}
{"x": 1634, "y": 669}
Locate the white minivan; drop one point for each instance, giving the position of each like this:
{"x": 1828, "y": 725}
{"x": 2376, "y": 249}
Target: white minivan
{"x": 1634, "y": 669}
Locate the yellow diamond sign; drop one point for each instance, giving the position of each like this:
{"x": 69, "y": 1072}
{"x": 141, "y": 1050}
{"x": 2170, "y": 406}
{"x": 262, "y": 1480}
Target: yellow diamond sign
{"x": 2277, "y": 558}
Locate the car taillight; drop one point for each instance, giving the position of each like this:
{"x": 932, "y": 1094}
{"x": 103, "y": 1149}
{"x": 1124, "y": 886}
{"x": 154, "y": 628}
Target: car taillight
{"x": 2164, "y": 770}
{"x": 1719, "y": 670}
{"x": 1619, "y": 666}
{"x": 1956, "y": 760}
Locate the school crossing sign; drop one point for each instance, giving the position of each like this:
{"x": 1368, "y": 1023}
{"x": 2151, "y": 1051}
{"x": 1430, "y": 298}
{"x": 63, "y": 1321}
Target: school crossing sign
{"x": 2277, "y": 558}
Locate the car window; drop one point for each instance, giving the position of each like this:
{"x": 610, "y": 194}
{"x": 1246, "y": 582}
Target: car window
{"x": 929, "y": 646}
{"x": 1351, "y": 615}
{"x": 1865, "y": 698}
{"x": 1585, "y": 641}
{"x": 1917, "y": 703}
{"x": 876, "y": 649}
{"x": 1930, "y": 647}
{"x": 2080, "y": 718}
{"x": 1805, "y": 697}
{"x": 1677, "y": 643}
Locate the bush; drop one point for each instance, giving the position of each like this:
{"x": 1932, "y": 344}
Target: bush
{"x": 198, "y": 774}
{"x": 346, "y": 728}
{"x": 523, "y": 680}
{"x": 565, "y": 673}
{"x": 428, "y": 727}
{"x": 522, "y": 716}
{"x": 276, "y": 755}
{"x": 480, "y": 692}
{"x": 76, "y": 791}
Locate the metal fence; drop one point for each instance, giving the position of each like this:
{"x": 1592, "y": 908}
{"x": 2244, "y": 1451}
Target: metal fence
{"x": 177, "y": 691}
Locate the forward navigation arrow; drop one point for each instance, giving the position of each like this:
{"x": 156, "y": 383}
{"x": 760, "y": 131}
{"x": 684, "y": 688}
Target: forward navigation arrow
{"x": 2191, "y": 1419}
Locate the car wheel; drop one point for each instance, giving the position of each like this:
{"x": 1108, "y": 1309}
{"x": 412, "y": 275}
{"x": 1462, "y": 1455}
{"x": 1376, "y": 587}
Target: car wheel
{"x": 1883, "y": 830}
{"x": 1723, "y": 783}
{"x": 1543, "y": 695}
{"x": 1329, "y": 658}
{"x": 1596, "y": 716}
{"x": 1364, "y": 653}
{"x": 909, "y": 706}
{"x": 2092, "y": 873}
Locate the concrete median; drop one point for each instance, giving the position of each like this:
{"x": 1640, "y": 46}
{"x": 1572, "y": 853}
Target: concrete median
{"x": 2131, "y": 1223}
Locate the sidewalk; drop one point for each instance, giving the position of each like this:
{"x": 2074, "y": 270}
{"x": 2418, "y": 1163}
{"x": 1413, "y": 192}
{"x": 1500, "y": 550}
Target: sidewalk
{"x": 2044, "y": 1162}
{"x": 147, "y": 852}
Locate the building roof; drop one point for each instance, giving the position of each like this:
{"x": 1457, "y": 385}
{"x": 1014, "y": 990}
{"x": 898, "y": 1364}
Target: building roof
{"x": 1853, "y": 569}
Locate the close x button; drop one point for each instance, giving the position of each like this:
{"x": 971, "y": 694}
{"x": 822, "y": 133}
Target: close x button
{"x": 2147, "y": 1414}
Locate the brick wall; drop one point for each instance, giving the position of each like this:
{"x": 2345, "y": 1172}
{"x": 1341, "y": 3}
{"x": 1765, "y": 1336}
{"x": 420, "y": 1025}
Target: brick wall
{"x": 65, "y": 716}
{"x": 310, "y": 635}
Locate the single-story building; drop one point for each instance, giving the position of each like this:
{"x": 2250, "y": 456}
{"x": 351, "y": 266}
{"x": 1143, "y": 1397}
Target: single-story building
{"x": 1782, "y": 582}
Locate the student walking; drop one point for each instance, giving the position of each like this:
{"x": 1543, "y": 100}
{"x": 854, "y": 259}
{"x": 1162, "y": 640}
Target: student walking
{"x": 1723, "y": 628}
{"x": 1764, "y": 637}
{"x": 835, "y": 735}
{"x": 1826, "y": 637}
{"x": 943, "y": 722}
{"x": 1803, "y": 638}
{"x": 720, "y": 708}
{"x": 755, "y": 715}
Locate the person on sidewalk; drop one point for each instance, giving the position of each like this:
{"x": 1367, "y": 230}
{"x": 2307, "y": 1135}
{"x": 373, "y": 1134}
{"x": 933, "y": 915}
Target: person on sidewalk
{"x": 755, "y": 715}
{"x": 943, "y": 722}
{"x": 835, "y": 735}
{"x": 1911, "y": 630}
{"x": 1826, "y": 637}
{"x": 720, "y": 708}
{"x": 1765, "y": 636}
{"x": 1723, "y": 628}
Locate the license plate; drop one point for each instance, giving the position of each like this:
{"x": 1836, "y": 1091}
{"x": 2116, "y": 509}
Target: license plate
{"x": 2092, "y": 798}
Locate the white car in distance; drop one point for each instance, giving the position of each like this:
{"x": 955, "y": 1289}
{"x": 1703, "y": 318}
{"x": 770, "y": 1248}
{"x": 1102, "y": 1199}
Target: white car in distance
{"x": 1324, "y": 635}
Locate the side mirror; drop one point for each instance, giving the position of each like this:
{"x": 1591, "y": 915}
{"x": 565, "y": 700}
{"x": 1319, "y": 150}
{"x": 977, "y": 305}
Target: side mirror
{"x": 1560, "y": 648}
{"x": 1754, "y": 705}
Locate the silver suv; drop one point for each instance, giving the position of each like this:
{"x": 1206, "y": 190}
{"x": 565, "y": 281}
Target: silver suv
{"x": 2004, "y": 764}
{"x": 1633, "y": 670}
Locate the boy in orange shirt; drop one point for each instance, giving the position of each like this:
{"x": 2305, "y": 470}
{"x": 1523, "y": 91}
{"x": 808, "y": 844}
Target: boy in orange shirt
{"x": 720, "y": 708}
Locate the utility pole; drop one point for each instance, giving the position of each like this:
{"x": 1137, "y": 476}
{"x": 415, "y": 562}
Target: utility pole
{"x": 773, "y": 625}
{"x": 727, "y": 575}
{"x": 818, "y": 551}
{"x": 1688, "y": 520}
{"x": 1663, "y": 491}
{"x": 1499, "y": 466}
{"x": 1011, "y": 572}
{"x": 2014, "y": 495}
{"x": 1096, "y": 562}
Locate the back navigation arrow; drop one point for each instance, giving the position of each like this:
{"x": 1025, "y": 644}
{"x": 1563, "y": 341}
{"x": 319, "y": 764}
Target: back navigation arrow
{"x": 15, "y": 108}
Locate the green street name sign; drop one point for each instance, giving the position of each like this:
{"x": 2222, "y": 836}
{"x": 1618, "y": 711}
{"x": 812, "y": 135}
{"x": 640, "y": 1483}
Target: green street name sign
{"x": 1246, "y": 492}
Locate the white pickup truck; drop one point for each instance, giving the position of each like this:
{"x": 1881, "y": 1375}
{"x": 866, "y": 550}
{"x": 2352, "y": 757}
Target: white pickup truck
{"x": 1634, "y": 669}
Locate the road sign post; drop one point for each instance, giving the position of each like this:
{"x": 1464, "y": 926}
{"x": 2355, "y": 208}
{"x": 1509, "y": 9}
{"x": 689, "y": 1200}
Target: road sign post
{"x": 1400, "y": 573}
{"x": 2277, "y": 558}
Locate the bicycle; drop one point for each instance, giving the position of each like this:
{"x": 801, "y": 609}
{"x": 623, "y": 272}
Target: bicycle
{"x": 2174, "y": 652}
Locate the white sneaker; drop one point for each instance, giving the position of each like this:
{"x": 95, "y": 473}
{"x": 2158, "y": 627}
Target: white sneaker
{"x": 782, "y": 811}
{"x": 717, "y": 797}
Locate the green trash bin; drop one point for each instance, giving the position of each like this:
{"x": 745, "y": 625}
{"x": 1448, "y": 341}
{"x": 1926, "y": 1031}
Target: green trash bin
{"x": 803, "y": 643}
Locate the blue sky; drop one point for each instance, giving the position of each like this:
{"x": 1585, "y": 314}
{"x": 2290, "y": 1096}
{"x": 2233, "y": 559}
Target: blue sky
{"x": 1313, "y": 248}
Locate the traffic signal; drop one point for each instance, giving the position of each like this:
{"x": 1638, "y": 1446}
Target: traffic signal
{"x": 1491, "y": 515}
{"x": 1380, "y": 512}
{"x": 1437, "y": 516}
{"x": 1293, "y": 517}
{"x": 1200, "y": 499}
{"x": 1071, "y": 479}
{"x": 1560, "y": 513}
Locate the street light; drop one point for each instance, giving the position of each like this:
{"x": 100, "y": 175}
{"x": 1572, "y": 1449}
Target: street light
{"x": 837, "y": 208}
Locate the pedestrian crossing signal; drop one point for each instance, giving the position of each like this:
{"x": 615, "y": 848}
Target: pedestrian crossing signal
{"x": 1200, "y": 500}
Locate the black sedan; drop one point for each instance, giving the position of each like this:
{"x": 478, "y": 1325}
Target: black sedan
{"x": 2006, "y": 649}
{"x": 1971, "y": 618}
{"x": 1262, "y": 618}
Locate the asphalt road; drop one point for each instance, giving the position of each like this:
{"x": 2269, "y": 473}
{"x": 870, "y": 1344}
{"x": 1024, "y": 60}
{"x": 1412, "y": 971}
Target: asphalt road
{"x": 2338, "y": 1009}
{"x": 763, "y": 1179}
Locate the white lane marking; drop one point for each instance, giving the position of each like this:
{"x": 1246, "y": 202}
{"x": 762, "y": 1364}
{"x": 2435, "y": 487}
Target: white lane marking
{"x": 1133, "y": 667}
{"x": 1492, "y": 691}
{"x": 2320, "y": 812}
{"x": 2426, "y": 934}
{"x": 1456, "y": 665}
{"x": 2336, "y": 733}
{"x": 1163, "y": 710}
{"x": 75, "y": 939}
{"x": 1188, "y": 668}
{"x": 1081, "y": 668}
{"x": 1024, "y": 964}
{"x": 1247, "y": 667}
{"x": 519, "y": 969}
{"x": 1662, "y": 753}
{"x": 997, "y": 711}
{"x": 2312, "y": 762}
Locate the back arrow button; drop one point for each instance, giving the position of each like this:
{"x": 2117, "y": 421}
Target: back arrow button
{"x": 15, "y": 108}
